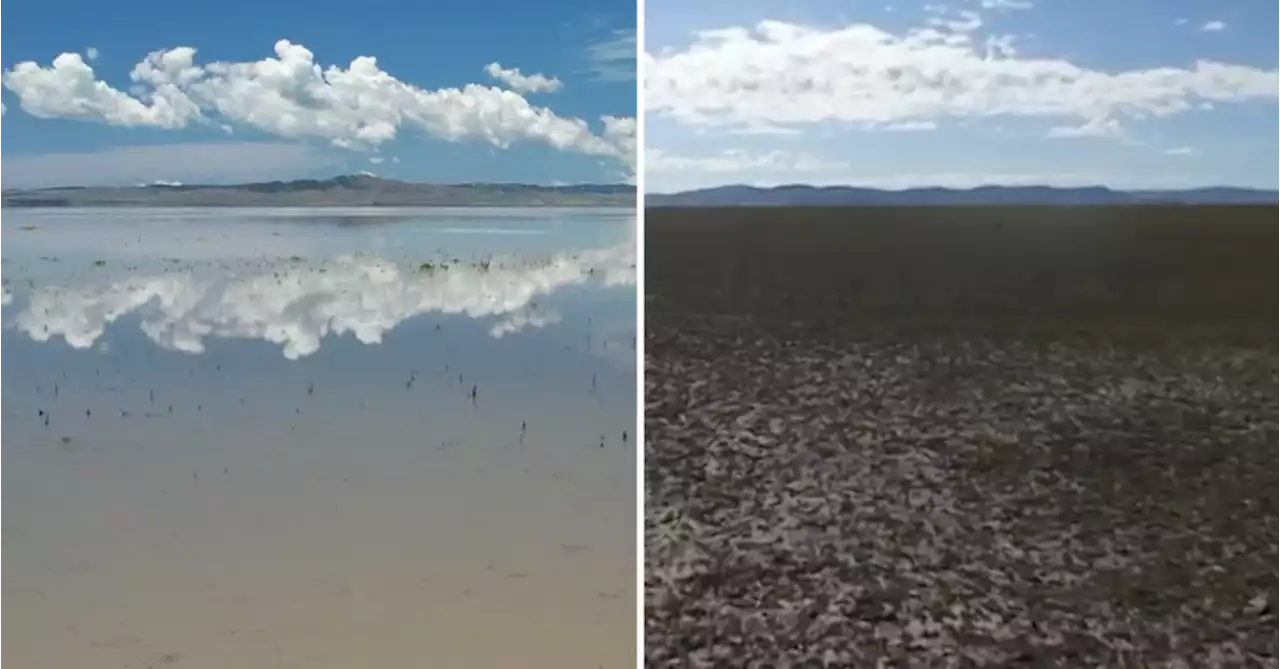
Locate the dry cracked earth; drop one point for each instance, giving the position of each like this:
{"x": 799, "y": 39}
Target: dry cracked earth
{"x": 821, "y": 501}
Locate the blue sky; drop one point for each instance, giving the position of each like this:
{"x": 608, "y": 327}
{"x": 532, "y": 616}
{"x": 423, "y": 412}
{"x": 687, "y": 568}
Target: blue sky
{"x": 960, "y": 93}
{"x": 245, "y": 106}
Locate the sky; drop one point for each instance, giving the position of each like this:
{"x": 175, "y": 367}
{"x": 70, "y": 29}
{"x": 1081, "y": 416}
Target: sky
{"x": 140, "y": 92}
{"x": 1122, "y": 93}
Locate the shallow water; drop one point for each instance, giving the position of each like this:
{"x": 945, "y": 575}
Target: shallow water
{"x": 263, "y": 448}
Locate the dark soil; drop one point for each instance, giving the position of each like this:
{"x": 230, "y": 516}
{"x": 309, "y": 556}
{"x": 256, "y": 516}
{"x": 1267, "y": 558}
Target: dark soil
{"x": 961, "y": 437}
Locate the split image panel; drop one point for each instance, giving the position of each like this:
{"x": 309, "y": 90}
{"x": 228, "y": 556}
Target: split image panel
{"x": 319, "y": 335}
{"x": 960, "y": 335}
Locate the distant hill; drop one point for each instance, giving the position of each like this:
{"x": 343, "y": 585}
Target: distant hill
{"x": 345, "y": 191}
{"x": 749, "y": 196}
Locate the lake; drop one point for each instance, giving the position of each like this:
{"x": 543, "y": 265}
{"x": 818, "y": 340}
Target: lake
{"x": 305, "y": 438}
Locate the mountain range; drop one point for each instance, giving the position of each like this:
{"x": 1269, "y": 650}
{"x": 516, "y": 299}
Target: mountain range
{"x": 364, "y": 190}
{"x": 359, "y": 190}
{"x": 843, "y": 196}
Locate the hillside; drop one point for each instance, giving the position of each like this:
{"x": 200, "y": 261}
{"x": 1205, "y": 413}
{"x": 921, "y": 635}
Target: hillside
{"x": 342, "y": 191}
{"x": 800, "y": 195}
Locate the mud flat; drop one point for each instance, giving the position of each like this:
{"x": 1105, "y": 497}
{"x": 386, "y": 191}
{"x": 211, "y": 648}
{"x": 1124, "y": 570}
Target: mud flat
{"x": 955, "y": 437}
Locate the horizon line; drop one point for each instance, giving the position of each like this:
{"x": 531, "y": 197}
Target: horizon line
{"x": 182, "y": 184}
{"x": 903, "y": 189}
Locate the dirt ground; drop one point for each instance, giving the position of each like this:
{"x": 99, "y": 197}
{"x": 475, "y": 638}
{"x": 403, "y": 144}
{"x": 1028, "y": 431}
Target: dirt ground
{"x": 961, "y": 437}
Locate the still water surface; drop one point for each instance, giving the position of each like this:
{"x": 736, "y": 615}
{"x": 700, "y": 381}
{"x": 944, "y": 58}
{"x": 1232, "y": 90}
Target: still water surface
{"x": 285, "y": 438}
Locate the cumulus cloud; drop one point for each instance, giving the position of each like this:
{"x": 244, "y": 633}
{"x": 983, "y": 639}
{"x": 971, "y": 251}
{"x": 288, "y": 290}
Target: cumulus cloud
{"x": 620, "y": 132}
{"x": 523, "y": 83}
{"x": 91, "y": 53}
{"x": 1214, "y": 26}
{"x": 290, "y": 95}
{"x": 785, "y": 74}
{"x": 69, "y": 89}
{"x": 297, "y": 309}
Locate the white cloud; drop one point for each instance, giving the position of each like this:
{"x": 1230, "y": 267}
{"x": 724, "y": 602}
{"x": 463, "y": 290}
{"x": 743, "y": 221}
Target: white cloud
{"x": 366, "y": 297}
{"x": 1104, "y": 127}
{"x": 1000, "y": 46}
{"x": 523, "y": 83}
{"x": 523, "y": 320}
{"x": 1180, "y": 151}
{"x": 613, "y": 59}
{"x": 91, "y": 53}
{"x": 290, "y": 95}
{"x": 1214, "y": 26}
{"x": 620, "y": 131}
{"x": 784, "y": 74}
{"x": 1180, "y": 22}
{"x": 207, "y": 162}
{"x": 1007, "y": 4}
{"x": 68, "y": 89}
{"x": 376, "y": 160}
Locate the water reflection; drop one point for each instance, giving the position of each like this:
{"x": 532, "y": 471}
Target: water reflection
{"x": 296, "y": 303}
{"x": 436, "y": 471}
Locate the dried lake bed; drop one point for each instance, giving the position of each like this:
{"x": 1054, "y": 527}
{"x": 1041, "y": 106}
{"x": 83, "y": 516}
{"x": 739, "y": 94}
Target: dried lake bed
{"x": 302, "y": 438}
{"x": 960, "y": 437}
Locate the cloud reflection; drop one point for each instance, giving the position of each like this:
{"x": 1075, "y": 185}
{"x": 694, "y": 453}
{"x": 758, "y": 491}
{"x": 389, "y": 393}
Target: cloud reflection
{"x": 295, "y": 305}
